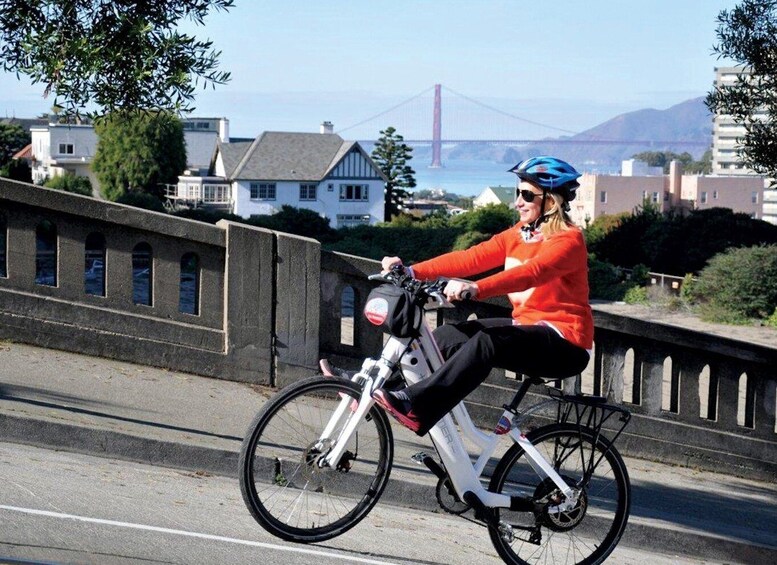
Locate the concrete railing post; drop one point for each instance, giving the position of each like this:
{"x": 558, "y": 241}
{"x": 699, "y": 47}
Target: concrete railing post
{"x": 298, "y": 284}
{"x": 248, "y": 305}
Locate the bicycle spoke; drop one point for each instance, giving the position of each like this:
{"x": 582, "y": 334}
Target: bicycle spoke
{"x": 283, "y": 482}
{"x": 585, "y": 533}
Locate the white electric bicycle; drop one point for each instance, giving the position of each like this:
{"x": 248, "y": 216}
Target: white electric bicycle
{"x": 318, "y": 455}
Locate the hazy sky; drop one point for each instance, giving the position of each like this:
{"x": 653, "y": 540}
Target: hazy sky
{"x": 568, "y": 64}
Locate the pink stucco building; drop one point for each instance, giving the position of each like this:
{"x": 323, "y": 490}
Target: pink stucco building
{"x": 611, "y": 194}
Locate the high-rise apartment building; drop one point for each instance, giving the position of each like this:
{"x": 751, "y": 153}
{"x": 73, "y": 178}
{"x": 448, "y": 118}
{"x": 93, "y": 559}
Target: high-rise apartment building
{"x": 725, "y": 133}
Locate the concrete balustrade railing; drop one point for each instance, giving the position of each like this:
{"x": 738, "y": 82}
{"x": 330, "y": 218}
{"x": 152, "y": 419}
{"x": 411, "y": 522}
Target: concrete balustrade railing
{"x": 268, "y": 305}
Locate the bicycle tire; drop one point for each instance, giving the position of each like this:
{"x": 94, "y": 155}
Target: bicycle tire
{"x": 588, "y": 533}
{"x": 285, "y": 491}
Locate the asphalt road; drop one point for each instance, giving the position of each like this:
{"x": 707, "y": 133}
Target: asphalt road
{"x": 60, "y": 507}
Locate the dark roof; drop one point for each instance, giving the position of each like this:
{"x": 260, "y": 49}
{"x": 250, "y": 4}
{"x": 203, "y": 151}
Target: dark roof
{"x": 231, "y": 154}
{"x": 287, "y": 156}
{"x": 26, "y": 123}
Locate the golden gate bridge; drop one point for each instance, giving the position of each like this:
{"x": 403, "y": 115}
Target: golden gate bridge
{"x": 414, "y": 113}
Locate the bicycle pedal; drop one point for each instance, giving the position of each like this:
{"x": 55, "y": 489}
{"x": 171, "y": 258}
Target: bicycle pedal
{"x": 425, "y": 460}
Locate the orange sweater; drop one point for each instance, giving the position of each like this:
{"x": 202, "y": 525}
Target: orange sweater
{"x": 546, "y": 279}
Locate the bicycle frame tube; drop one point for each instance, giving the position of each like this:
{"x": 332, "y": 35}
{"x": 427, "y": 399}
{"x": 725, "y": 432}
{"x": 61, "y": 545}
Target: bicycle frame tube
{"x": 419, "y": 362}
{"x": 418, "y": 358}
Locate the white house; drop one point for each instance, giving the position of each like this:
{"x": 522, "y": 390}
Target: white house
{"x": 317, "y": 171}
{"x": 69, "y": 148}
{"x": 62, "y": 148}
{"x": 495, "y": 195}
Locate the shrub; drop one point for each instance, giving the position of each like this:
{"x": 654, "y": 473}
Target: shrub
{"x": 739, "y": 284}
{"x": 490, "y": 219}
{"x": 687, "y": 289}
{"x": 636, "y": 295}
{"x": 411, "y": 244}
{"x": 771, "y": 321}
{"x": 470, "y": 238}
{"x": 206, "y": 215}
{"x": 70, "y": 183}
{"x": 143, "y": 200}
{"x": 605, "y": 281}
{"x": 297, "y": 221}
{"x": 640, "y": 275}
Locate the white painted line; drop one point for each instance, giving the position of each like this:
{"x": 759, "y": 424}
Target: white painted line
{"x": 193, "y": 535}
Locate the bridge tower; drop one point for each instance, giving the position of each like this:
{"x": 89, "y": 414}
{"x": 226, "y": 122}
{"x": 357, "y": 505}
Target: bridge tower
{"x": 436, "y": 130}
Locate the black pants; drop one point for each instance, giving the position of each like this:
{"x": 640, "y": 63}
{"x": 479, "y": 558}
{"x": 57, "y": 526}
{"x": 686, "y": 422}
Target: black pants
{"x": 473, "y": 348}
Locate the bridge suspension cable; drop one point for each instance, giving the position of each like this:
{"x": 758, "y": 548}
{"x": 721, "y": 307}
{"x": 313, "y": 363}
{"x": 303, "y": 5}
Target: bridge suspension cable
{"x": 387, "y": 111}
{"x": 508, "y": 114}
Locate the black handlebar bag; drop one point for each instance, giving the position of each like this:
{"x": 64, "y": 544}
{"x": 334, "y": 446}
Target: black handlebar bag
{"x": 393, "y": 309}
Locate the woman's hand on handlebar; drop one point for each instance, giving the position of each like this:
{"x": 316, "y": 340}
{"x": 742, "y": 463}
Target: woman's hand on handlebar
{"x": 460, "y": 290}
{"x": 388, "y": 262}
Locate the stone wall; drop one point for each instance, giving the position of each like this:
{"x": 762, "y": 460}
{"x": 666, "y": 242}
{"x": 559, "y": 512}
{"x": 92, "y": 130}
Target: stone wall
{"x": 235, "y": 331}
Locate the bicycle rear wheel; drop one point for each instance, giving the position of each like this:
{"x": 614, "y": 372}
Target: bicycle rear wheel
{"x": 285, "y": 489}
{"x": 587, "y": 533}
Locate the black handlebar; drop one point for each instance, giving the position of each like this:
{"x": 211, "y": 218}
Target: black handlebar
{"x": 421, "y": 290}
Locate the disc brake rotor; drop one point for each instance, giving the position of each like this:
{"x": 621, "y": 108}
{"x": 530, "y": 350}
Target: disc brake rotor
{"x": 560, "y": 521}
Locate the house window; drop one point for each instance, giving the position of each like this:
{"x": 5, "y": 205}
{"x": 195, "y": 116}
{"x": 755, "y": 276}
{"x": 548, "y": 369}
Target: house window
{"x": 666, "y": 196}
{"x": 192, "y": 191}
{"x": 66, "y": 149}
{"x": 714, "y": 194}
{"x": 754, "y": 197}
{"x": 307, "y": 191}
{"x": 215, "y": 193}
{"x": 655, "y": 198}
{"x": 704, "y": 197}
{"x": 347, "y": 220}
{"x": 262, "y": 191}
{"x": 603, "y": 197}
{"x": 353, "y": 192}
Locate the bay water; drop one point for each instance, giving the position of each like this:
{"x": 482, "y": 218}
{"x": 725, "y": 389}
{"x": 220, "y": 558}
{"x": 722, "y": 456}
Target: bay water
{"x": 462, "y": 177}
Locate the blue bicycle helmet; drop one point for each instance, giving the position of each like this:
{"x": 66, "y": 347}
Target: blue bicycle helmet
{"x": 551, "y": 174}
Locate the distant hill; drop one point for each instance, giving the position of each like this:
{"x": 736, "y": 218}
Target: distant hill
{"x": 687, "y": 121}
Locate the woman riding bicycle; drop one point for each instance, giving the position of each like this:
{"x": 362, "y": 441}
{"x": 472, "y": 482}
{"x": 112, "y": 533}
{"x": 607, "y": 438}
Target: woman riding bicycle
{"x": 545, "y": 277}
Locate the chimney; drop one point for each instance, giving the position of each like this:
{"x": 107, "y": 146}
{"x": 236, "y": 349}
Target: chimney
{"x": 224, "y": 130}
{"x": 675, "y": 183}
{"x": 327, "y": 127}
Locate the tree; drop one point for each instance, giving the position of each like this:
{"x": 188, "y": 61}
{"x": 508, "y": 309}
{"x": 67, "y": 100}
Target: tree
{"x": 12, "y": 139}
{"x": 664, "y": 158}
{"x": 702, "y": 166}
{"x": 138, "y": 151}
{"x": 17, "y": 169}
{"x": 391, "y": 154}
{"x": 748, "y": 35}
{"x": 110, "y": 54}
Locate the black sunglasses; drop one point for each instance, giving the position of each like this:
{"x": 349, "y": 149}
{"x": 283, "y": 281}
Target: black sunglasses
{"x": 527, "y": 195}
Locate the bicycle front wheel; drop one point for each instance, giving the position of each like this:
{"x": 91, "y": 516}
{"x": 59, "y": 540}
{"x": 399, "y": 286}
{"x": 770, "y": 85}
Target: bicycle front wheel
{"x": 585, "y": 534}
{"x": 286, "y": 489}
